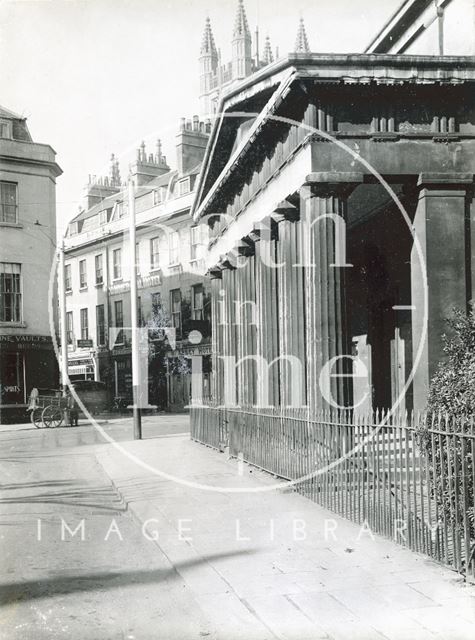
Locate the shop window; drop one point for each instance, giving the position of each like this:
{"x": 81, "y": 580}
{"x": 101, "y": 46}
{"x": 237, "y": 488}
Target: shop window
{"x": 11, "y": 378}
{"x": 156, "y": 301}
{"x": 10, "y": 292}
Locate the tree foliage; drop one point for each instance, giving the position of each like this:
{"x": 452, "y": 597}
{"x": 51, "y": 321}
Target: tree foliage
{"x": 452, "y": 388}
{"x": 445, "y": 434}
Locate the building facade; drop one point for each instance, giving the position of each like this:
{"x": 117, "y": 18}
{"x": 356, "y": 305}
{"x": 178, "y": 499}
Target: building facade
{"x": 325, "y": 232}
{"x": 28, "y": 172}
{"x": 173, "y": 289}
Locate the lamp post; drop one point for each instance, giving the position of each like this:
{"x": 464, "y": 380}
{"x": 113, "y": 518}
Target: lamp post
{"x": 62, "y": 320}
{"x": 137, "y": 418}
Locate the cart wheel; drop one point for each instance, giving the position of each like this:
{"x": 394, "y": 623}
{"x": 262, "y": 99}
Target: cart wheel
{"x": 52, "y": 416}
{"x": 35, "y": 417}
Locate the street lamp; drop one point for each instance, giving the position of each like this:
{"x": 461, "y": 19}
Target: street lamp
{"x": 137, "y": 417}
{"x": 62, "y": 321}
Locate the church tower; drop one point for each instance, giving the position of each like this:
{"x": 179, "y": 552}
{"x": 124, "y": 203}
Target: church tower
{"x": 208, "y": 66}
{"x": 241, "y": 46}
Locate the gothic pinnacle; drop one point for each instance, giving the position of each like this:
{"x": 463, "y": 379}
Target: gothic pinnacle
{"x": 301, "y": 42}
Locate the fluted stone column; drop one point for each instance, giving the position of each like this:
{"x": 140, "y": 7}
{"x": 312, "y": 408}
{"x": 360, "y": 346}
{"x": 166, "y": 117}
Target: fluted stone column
{"x": 246, "y": 322}
{"x": 291, "y": 307}
{"x": 323, "y": 238}
{"x": 227, "y": 314}
{"x": 216, "y": 338}
{"x": 267, "y": 336}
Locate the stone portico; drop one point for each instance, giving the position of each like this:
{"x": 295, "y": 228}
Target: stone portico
{"x": 336, "y": 187}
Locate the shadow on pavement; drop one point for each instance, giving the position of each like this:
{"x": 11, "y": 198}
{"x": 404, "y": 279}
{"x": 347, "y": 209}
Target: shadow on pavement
{"x": 102, "y": 498}
{"x": 15, "y": 592}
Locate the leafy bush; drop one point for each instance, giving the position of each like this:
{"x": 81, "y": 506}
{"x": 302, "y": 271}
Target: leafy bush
{"x": 451, "y": 411}
{"x": 452, "y": 389}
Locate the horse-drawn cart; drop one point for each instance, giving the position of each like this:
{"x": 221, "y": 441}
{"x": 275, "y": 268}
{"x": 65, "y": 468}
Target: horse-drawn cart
{"x": 49, "y": 408}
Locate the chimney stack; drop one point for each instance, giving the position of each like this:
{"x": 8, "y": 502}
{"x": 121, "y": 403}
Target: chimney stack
{"x": 191, "y": 141}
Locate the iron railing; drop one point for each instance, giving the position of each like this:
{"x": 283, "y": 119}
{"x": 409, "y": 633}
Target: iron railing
{"x": 410, "y": 478}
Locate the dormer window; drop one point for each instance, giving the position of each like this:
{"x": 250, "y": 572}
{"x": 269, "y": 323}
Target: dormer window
{"x": 184, "y": 186}
{"x": 157, "y": 197}
{"x": 118, "y": 210}
{"x": 104, "y": 216}
{"x": 6, "y": 129}
{"x": 73, "y": 228}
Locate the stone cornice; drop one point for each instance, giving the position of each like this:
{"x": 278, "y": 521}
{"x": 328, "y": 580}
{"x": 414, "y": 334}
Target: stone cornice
{"x": 445, "y": 180}
{"x": 337, "y": 69}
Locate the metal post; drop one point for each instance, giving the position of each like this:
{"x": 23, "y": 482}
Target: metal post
{"x": 62, "y": 313}
{"x": 134, "y": 314}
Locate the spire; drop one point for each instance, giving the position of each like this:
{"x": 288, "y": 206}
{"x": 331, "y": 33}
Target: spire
{"x": 242, "y": 62}
{"x": 241, "y": 27}
{"x": 208, "y": 46}
{"x": 301, "y": 42}
{"x": 267, "y": 56}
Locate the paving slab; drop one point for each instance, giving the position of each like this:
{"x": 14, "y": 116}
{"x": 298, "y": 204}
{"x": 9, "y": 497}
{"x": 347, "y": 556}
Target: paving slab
{"x": 270, "y": 562}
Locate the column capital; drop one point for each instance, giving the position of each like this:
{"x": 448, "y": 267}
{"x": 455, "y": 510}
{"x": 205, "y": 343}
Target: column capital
{"x": 333, "y": 183}
{"x": 285, "y": 211}
{"x": 215, "y": 273}
{"x": 445, "y": 180}
{"x": 227, "y": 261}
{"x": 245, "y": 247}
{"x": 257, "y": 228}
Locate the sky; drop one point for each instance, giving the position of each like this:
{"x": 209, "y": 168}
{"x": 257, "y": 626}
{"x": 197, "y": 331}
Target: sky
{"x": 98, "y": 76}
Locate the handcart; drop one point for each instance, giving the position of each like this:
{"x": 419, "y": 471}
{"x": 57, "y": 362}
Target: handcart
{"x": 48, "y": 408}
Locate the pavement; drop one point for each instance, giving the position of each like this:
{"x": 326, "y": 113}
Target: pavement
{"x": 180, "y": 542}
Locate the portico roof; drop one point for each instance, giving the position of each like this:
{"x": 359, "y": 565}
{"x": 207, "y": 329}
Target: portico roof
{"x": 261, "y": 95}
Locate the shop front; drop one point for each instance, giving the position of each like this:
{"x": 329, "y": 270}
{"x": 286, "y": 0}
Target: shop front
{"x": 26, "y": 361}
